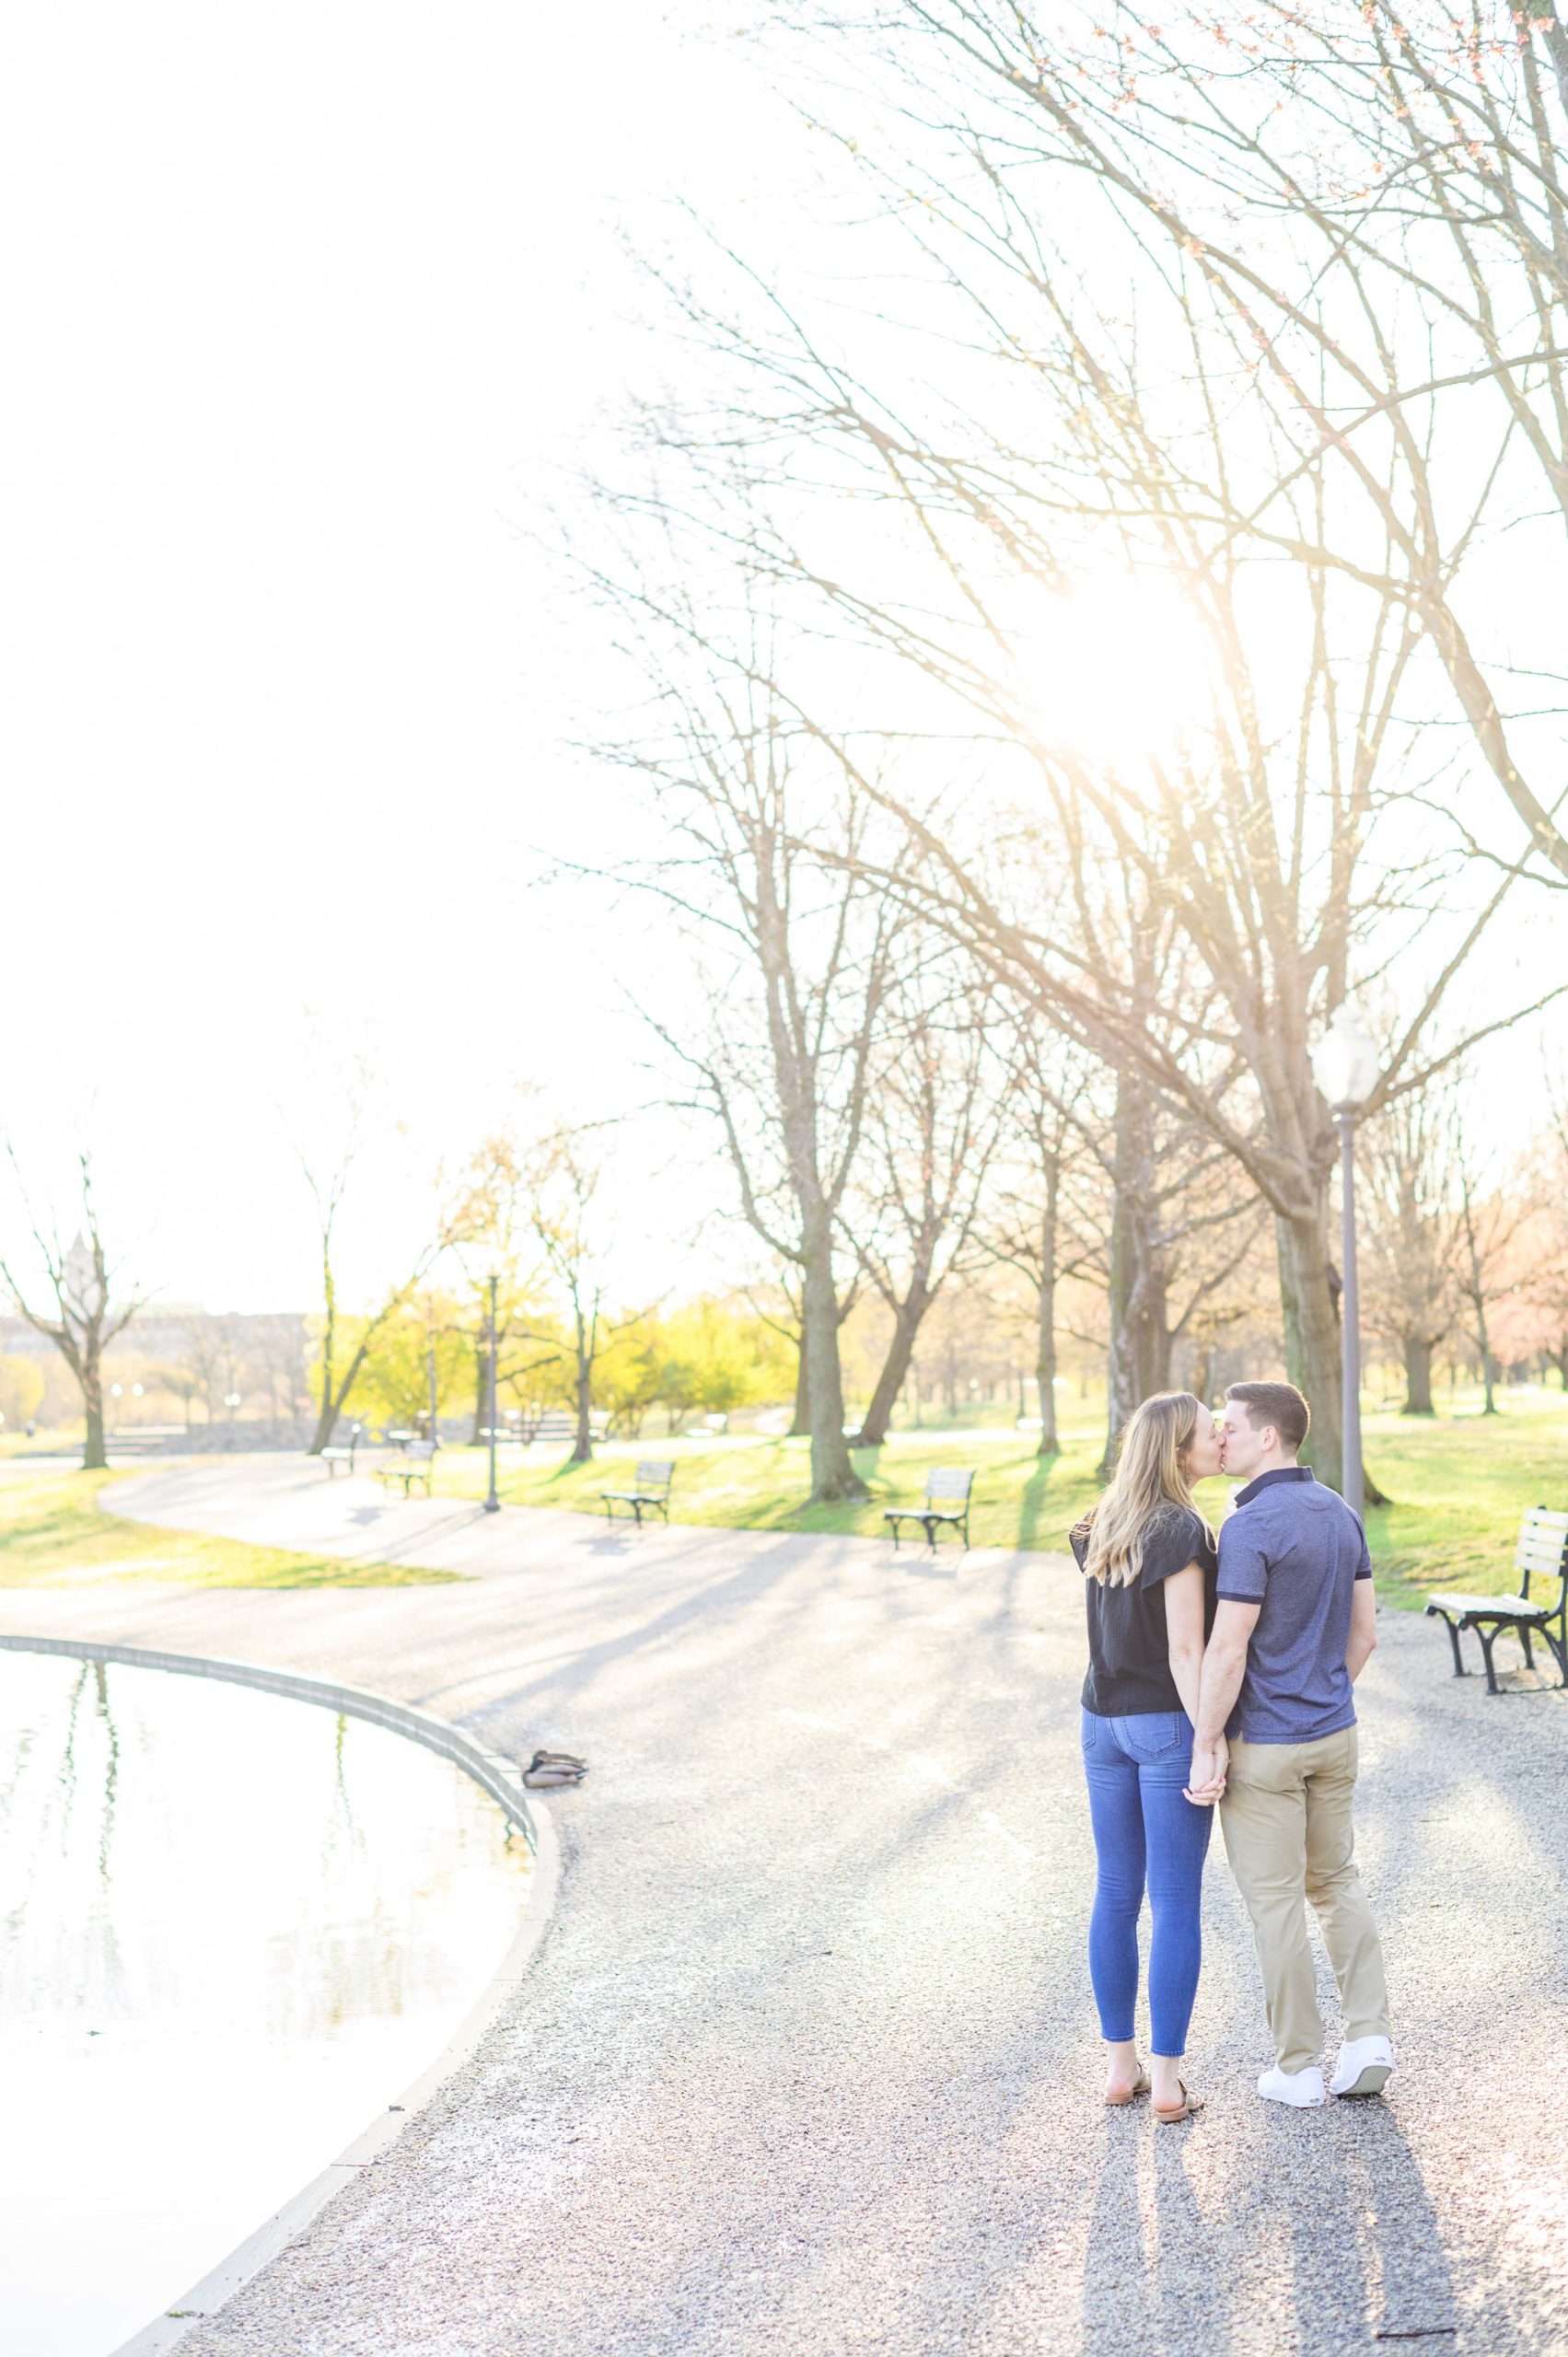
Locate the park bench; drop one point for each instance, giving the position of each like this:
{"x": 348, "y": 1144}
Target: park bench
{"x": 553, "y": 1424}
{"x": 1542, "y": 1553}
{"x": 342, "y": 1451}
{"x": 416, "y": 1464}
{"x": 653, "y": 1479}
{"x": 946, "y": 1500}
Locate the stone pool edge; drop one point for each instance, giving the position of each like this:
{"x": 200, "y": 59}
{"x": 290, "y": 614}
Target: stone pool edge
{"x": 496, "y": 1775}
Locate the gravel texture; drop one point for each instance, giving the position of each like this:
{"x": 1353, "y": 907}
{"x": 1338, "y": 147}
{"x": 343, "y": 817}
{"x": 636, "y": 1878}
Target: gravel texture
{"x": 807, "y": 2065}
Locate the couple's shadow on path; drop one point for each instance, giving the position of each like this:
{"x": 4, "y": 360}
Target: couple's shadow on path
{"x": 1306, "y": 2232}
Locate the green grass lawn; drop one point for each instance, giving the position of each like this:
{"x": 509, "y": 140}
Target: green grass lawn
{"x": 52, "y": 1534}
{"x": 1458, "y": 1484}
{"x": 756, "y": 1484}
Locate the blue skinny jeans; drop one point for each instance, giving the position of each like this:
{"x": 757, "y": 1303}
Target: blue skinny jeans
{"x": 1145, "y": 1834}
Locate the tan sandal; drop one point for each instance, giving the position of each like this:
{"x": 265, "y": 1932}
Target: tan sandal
{"x": 1140, "y": 2087}
{"x": 1190, "y": 2104}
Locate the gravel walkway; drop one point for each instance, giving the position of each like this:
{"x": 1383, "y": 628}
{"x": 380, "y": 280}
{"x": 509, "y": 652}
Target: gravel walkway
{"x": 807, "y": 2065}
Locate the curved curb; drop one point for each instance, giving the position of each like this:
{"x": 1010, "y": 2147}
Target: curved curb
{"x": 499, "y": 1779}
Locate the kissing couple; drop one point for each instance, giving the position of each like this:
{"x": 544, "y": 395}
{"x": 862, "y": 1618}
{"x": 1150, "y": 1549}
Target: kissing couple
{"x": 1221, "y": 1673}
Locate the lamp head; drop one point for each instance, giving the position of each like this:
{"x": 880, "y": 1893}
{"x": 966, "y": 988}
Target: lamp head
{"x": 1344, "y": 1062}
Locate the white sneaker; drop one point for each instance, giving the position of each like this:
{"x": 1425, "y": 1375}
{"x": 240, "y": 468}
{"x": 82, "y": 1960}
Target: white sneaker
{"x": 1364, "y": 2065}
{"x": 1302, "y": 2088}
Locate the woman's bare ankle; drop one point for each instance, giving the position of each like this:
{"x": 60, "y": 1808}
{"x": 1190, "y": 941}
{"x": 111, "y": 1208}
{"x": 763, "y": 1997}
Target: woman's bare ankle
{"x": 1164, "y": 2078}
{"x": 1123, "y": 2068}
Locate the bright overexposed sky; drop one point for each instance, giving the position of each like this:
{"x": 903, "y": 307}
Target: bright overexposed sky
{"x": 308, "y": 313}
{"x": 311, "y": 316}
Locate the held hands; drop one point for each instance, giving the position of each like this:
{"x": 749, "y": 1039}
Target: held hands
{"x": 1208, "y": 1772}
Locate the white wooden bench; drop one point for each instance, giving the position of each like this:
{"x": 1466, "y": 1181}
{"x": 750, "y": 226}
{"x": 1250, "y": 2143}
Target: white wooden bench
{"x": 338, "y": 1453}
{"x": 416, "y": 1464}
{"x": 946, "y": 1501}
{"x": 1542, "y": 1554}
{"x": 650, "y": 1490}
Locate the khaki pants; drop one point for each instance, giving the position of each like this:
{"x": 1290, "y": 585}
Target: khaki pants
{"x": 1286, "y": 1814}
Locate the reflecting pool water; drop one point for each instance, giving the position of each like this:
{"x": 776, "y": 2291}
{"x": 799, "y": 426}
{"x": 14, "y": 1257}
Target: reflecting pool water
{"x": 232, "y": 1928}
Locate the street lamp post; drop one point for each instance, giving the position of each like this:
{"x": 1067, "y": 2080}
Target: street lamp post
{"x": 1344, "y": 1065}
{"x": 492, "y": 1502}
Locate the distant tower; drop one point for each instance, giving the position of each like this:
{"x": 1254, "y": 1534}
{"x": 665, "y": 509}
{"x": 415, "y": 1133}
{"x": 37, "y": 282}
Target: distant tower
{"x": 80, "y": 1278}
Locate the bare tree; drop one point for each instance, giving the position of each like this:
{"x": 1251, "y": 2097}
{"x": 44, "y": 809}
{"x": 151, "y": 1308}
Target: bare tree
{"x": 84, "y": 1321}
{"x": 275, "y": 1352}
{"x": 202, "y": 1350}
{"x": 1029, "y": 1224}
{"x": 1547, "y": 1283}
{"x": 338, "y": 1367}
{"x": 797, "y": 964}
{"x": 495, "y": 1215}
{"x": 934, "y": 1124}
{"x": 791, "y": 1324}
{"x": 564, "y": 1180}
{"x": 1357, "y": 220}
{"x": 1287, "y": 827}
{"x": 1490, "y": 1220}
{"x": 1413, "y": 1229}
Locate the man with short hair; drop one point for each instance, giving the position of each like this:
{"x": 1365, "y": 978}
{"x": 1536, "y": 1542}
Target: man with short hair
{"x": 1293, "y": 1629}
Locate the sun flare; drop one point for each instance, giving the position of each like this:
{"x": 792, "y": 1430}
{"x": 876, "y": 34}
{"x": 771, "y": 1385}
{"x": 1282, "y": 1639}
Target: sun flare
{"x": 1118, "y": 668}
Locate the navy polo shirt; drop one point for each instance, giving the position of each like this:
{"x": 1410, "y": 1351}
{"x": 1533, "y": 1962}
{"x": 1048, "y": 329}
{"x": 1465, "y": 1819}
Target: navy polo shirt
{"x": 1294, "y": 1548}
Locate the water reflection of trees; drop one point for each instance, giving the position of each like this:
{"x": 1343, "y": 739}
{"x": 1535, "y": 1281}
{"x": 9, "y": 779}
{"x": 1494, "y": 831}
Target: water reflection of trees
{"x": 110, "y": 1767}
{"x": 352, "y": 1953}
{"x": 59, "y": 1798}
{"x": 263, "y": 1867}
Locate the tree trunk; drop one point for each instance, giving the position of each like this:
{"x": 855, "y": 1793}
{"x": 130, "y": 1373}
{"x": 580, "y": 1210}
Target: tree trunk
{"x": 1312, "y": 1340}
{"x": 327, "y": 1416}
{"x": 1121, "y": 1363}
{"x": 1139, "y": 1358}
{"x": 326, "y": 1422}
{"x": 583, "y": 1446}
{"x": 1045, "y": 1371}
{"x": 1045, "y": 1319}
{"x": 800, "y": 1423}
{"x": 1476, "y": 1293}
{"x": 1418, "y": 1377}
{"x": 1155, "y": 1338}
{"x": 832, "y": 1471}
{"x": 95, "y": 1457}
{"x": 895, "y": 1367}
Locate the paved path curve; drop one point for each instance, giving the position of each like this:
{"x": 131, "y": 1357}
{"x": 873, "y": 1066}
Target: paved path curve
{"x": 806, "y": 2066}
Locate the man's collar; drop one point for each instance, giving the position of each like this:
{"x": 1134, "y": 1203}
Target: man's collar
{"x": 1274, "y": 1473}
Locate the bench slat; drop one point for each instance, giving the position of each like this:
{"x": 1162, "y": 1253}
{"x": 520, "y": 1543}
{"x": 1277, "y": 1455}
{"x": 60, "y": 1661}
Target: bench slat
{"x": 1525, "y": 1608}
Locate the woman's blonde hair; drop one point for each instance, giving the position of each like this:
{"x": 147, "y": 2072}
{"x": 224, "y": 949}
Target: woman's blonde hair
{"x": 1150, "y": 1479}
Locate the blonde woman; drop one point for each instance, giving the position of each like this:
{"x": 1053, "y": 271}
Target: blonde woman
{"x": 1148, "y": 1560}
